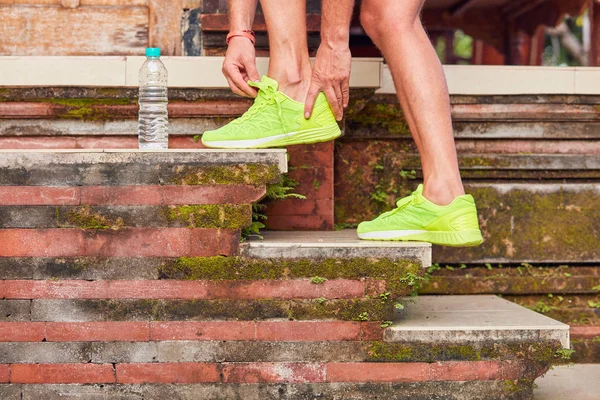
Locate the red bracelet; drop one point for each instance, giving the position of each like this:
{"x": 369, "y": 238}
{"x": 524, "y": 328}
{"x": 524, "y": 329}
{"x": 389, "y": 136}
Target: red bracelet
{"x": 247, "y": 33}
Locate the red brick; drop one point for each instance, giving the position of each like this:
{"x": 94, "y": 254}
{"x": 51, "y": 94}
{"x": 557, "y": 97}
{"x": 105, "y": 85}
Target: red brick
{"x": 210, "y": 108}
{"x": 162, "y": 289}
{"x": 204, "y": 242}
{"x": 121, "y": 195}
{"x": 97, "y": 331}
{"x": 300, "y": 207}
{"x": 204, "y": 330}
{"x": 107, "y": 142}
{"x": 371, "y": 331}
{"x": 374, "y": 287}
{"x": 184, "y": 142}
{"x": 272, "y": 373}
{"x": 288, "y": 289}
{"x": 28, "y": 142}
{"x": 21, "y": 331}
{"x": 584, "y": 331}
{"x": 24, "y": 109}
{"x": 229, "y": 242}
{"x": 216, "y": 194}
{"x": 377, "y": 372}
{"x": 4, "y": 373}
{"x": 298, "y": 222}
{"x": 465, "y": 371}
{"x": 32, "y": 289}
{"x": 301, "y": 331}
{"x": 167, "y": 373}
{"x": 62, "y": 373}
{"x": 513, "y": 369}
{"x": 320, "y": 154}
{"x": 170, "y": 194}
{"x": 2, "y": 288}
{"x": 38, "y": 195}
{"x": 41, "y": 242}
{"x": 139, "y": 242}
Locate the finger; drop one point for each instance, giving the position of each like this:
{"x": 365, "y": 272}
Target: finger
{"x": 235, "y": 89}
{"x": 311, "y": 97}
{"x": 333, "y": 103}
{"x": 236, "y": 76}
{"x": 338, "y": 95}
{"x": 252, "y": 71}
{"x": 345, "y": 92}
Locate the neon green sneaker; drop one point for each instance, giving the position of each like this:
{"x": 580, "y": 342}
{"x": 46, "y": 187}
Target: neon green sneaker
{"x": 275, "y": 120}
{"x": 416, "y": 218}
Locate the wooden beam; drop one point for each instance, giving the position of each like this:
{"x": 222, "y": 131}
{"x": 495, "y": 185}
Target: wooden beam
{"x": 463, "y": 6}
{"x": 595, "y": 42}
{"x": 220, "y": 23}
{"x": 524, "y": 8}
{"x": 165, "y": 25}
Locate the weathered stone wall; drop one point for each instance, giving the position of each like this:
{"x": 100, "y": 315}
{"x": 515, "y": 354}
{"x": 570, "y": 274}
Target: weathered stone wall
{"x": 531, "y": 162}
{"x": 86, "y": 118}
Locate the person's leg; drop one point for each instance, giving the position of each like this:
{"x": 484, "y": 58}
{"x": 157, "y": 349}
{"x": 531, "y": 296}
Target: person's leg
{"x": 395, "y": 28}
{"x": 277, "y": 119}
{"x": 289, "y": 63}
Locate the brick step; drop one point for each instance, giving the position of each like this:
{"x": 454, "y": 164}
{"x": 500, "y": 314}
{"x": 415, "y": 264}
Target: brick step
{"x": 484, "y": 342}
{"x": 453, "y": 390}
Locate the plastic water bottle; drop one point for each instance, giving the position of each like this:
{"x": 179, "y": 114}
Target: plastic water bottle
{"x": 153, "y": 120}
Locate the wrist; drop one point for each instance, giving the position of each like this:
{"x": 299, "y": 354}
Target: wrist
{"x": 335, "y": 39}
{"x": 244, "y": 34}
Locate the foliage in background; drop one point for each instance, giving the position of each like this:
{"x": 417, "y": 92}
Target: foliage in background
{"x": 279, "y": 191}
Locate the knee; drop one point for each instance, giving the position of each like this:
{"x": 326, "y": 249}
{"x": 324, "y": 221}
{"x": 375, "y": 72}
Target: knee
{"x": 368, "y": 21}
{"x": 379, "y": 18}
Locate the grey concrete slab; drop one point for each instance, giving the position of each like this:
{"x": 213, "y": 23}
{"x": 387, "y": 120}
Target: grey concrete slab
{"x": 573, "y": 382}
{"x": 44, "y": 352}
{"x": 337, "y": 244}
{"x": 472, "y": 318}
{"x": 28, "y": 158}
{"x": 82, "y": 392}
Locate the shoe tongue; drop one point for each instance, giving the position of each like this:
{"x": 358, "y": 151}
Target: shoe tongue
{"x": 265, "y": 83}
{"x": 417, "y": 192}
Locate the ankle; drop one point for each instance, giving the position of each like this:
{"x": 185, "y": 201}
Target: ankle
{"x": 442, "y": 192}
{"x": 293, "y": 83}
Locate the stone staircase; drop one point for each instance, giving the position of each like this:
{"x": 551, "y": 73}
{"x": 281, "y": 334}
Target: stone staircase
{"x": 122, "y": 276}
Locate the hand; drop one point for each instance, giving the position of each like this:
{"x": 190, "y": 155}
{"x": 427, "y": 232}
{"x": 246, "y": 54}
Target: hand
{"x": 331, "y": 75}
{"x": 240, "y": 66}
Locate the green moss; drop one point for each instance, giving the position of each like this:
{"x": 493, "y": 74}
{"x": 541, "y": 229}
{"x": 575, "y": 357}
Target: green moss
{"x": 381, "y": 351}
{"x": 247, "y": 174}
{"x": 244, "y": 310}
{"x": 86, "y": 109}
{"x": 346, "y": 310}
{"x": 85, "y": 218}
{"x": 229, "y": 216}
{"x": 87, "y": 102}
{"x": 386, "y": 116}
{"x": 317, "y": 280}
{"x": 419, "y": 352}
{"x": 401, "y": 276}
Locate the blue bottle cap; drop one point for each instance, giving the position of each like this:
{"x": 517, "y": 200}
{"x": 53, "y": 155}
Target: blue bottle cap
{"x": 152, "y": 52}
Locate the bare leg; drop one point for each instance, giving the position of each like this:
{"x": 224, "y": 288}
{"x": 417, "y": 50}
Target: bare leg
{"x": 289, "y": 62}
{"x": 395, "y": 27}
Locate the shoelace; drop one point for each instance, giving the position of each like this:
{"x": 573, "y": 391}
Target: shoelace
{"x": 266, "y": 95}
{"x": 400, "y": 205}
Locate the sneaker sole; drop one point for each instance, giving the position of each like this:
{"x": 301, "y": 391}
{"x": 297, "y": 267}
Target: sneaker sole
{"x": 454, "y": 239}
{"x": 309, "y": 136}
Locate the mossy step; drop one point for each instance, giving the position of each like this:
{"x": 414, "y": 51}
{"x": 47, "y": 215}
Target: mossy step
{"x": 137, "y": 167}
{"x": 454, "y": 319}
{"x": 343, "y": 244}
{"x": 196, "y": 310}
